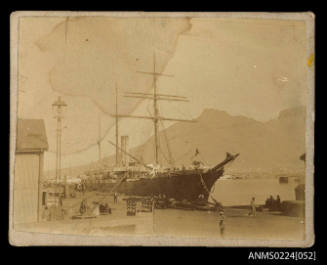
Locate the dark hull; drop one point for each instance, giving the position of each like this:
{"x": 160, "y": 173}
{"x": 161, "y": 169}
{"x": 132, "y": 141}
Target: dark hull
{"x": 181, "y": 186}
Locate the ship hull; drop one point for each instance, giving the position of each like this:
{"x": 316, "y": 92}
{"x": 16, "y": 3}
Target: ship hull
{"x": 181, "y": 186}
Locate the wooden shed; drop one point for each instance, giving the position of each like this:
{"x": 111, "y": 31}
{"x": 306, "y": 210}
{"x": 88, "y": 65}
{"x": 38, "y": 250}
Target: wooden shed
{"x": 31, "y": 142}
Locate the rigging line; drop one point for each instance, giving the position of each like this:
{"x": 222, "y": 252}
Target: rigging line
{"x": 163, "y": 154}
{"x": 189, "y": 133}
{"x": 107, "y": 131}
{"x": 148, "y": 110}
{"x": 88, "y": 146}
{"x": 171, "y": 161}
{"x": 206, "y": 188}
{"x": 101, "y": 139}
{"x": 201, "y": 157}
{"x": 150, "y": 131}
{"x": 183, "y": 155}
{"x": 77, "y": 151}
{"x": 180, "y": 112}
{"x": 213, "y": 188}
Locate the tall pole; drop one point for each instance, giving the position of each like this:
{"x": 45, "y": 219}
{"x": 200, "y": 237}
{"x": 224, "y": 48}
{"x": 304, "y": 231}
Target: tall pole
{"x": 99, "y": 136}
{"x": 117, "y": 137}
{"x": 155, "y": 111}
{"x": 59, "y": 106}
{"x": 59, "y": 147}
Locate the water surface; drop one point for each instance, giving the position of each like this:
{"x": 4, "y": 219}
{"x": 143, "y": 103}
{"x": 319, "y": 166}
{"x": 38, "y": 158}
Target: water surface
{"x": 240, "y": 192}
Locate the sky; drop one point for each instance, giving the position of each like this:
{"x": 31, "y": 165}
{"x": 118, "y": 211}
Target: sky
{"x": 250, "y": 67}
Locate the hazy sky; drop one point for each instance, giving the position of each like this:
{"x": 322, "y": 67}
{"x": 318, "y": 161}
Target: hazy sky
{"x": 250, "y": 67}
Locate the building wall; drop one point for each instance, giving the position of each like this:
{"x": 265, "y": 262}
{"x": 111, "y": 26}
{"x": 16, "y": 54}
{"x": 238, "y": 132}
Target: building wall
{"x": 26, "y": 187}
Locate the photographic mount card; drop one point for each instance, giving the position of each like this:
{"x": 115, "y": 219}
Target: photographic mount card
{"x": 177, "y": 129}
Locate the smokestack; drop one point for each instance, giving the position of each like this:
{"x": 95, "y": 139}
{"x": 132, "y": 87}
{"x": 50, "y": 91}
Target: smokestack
{"x": 124, "y": 147}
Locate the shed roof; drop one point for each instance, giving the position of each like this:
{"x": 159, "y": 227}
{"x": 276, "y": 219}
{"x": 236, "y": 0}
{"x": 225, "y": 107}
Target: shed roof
{"x": 31, "y": 135}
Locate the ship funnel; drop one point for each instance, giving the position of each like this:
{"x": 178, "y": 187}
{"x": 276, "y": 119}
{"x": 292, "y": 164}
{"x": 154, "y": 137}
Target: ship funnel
{"x": 124, "y": 147}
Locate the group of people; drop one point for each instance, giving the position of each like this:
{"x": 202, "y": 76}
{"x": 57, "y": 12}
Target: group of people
{"x": 81, "y": 187}
{"x": 104, "y": 208}
{"x": 99, "y": 208}
{"x": 273, "y": 204}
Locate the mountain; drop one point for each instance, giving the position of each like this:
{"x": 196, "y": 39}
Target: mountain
{"x": 271, "y": 147}
{"x": 264, "y": 146}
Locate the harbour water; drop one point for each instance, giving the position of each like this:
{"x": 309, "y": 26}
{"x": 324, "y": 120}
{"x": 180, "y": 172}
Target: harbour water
{"x": 240, "y": 191}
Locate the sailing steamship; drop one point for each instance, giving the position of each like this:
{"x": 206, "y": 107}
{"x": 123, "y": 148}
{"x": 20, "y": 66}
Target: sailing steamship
{"x": 180, "y": 184}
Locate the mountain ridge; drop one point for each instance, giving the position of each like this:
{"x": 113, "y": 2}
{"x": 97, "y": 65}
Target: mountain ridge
{"x": 272, "y": 146}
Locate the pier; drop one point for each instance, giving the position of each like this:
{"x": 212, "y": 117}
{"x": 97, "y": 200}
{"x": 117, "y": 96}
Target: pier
{"x": 170, "y": 222}
{"x": 116, "y": 222}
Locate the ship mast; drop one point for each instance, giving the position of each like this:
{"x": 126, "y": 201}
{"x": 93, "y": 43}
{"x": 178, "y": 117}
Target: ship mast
{"x": 155, "y": 111}
{"x": 155, "y": 97}
{"x": 99, "y": 136}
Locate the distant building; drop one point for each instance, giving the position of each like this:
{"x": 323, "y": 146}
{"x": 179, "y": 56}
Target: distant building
{"x": 31, "y": 142}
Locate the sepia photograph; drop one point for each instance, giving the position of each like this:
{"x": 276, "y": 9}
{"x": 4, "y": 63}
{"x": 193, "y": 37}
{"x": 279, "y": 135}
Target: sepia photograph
{"x": 161, "y": 129}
